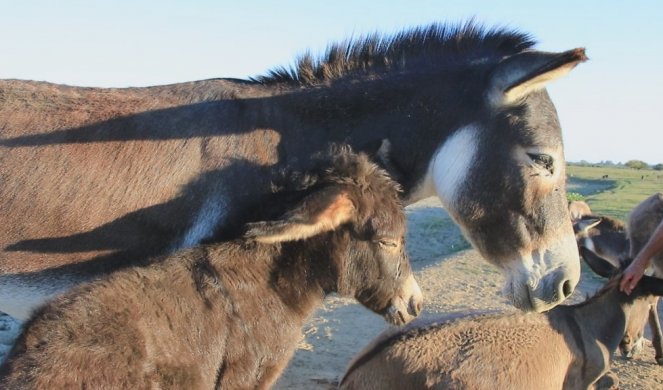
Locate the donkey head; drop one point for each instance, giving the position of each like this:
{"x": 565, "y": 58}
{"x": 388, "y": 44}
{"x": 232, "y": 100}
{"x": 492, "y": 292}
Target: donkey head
{"x": 605, "y": 236}
{"x": 355, "y": 219}
{"x": 502, "y": 178}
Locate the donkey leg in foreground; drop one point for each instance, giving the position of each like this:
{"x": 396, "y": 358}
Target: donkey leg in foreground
{"x": 568, "y": 347}
{"x": 229, "y": 315}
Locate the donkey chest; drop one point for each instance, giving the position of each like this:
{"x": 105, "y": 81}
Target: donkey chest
{"x": 257, "y": 361}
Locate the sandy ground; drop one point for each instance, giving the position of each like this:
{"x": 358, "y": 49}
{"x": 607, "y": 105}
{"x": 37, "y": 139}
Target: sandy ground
{"x": 454, "y": 279}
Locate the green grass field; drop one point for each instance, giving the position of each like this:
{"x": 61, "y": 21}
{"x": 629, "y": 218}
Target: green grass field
{"x": 616, "y": 195}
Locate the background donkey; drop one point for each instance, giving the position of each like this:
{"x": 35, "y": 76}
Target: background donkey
{"x": 577, "y": 209}
{"x": 605, "y": 236}
{"x": 228, "y": 315}
{"x": 96, "y": 179}
{"x": 611, "y": 240}
{"x": 642, "y": 222}
{"x": 568, "y": 347}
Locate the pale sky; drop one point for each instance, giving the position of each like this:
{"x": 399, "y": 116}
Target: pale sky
{"x": 609, "y": 107}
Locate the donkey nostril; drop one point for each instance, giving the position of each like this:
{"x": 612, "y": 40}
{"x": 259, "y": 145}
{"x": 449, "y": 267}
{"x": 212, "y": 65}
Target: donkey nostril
{"x": 567, "y": 289}
{"x": 415, "y": 307}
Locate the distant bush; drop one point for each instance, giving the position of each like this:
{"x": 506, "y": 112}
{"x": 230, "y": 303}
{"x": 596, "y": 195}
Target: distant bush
{"x": 571, "y": 196}
{"x": 658, "y": 167}
{"x": 636, "y": 164}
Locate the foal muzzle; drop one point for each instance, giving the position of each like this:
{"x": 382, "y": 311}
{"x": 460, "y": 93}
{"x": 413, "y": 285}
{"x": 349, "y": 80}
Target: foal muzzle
{"x": 407, "y": 305}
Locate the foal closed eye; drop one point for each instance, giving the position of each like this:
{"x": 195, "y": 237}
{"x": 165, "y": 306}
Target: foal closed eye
{"x": 388, "y": 243}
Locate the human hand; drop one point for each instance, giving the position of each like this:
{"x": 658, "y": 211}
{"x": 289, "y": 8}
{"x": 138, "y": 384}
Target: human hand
{"x": 632, "y": 276}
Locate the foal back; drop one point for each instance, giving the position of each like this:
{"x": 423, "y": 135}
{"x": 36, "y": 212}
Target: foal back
{"x": 483, "y": 353}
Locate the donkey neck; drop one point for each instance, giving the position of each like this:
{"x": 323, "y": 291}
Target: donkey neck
{"x": 603, "y": 317}
{"x": 353, "y": 111}
{"x": 304, "y": 272}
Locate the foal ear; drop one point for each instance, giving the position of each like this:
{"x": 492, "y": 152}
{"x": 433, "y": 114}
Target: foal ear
{"x": 599, "y": 265}
{"x": 320, "y": 212}
{"x": 517, "y": 76}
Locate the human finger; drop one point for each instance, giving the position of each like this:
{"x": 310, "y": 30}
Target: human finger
{"x": 626, "y": 284}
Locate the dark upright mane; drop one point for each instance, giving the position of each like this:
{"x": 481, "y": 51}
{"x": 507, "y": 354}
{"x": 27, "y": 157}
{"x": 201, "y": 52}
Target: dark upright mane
{"x": 421, "y": 47}
{"x": 613, "y": 284}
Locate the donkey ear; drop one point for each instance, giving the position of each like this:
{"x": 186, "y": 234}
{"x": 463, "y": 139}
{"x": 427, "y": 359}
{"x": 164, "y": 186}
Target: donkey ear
{"x": 517, "y": 76}
{"x": 599, "y": 265}
{"x": 586, "y": 223}
{"x": 320, "y": 212}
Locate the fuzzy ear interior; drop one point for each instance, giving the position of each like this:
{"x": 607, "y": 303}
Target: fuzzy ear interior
{"x": 320, "y": 212}
{"x": 519, "y": 75}
{"x": 583, "y": 225}
{"x": 599, "y": 265}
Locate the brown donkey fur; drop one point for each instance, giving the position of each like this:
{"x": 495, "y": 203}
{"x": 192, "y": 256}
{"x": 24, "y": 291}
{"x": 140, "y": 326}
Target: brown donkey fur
{"x": 568, "y": 347}
{"x": 578, "y": 208}
{"x": 93, "y": 180}
{"x": 228, "y": 315}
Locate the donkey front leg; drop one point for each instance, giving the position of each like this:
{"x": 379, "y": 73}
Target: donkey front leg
{"x": 609, "y": 381}
{"x": 657, "y": 336}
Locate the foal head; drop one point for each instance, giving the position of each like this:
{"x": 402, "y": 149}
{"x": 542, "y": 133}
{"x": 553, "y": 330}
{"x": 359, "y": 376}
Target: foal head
{"x": 352, "y": 212}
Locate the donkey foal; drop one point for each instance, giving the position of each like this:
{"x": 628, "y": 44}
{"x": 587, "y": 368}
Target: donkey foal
{"x": 228, "y": 315}
{"x": 568, "y": 347}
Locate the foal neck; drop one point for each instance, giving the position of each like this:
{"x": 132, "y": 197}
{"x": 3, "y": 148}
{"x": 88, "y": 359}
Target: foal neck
{"x": 305, "y": 271}
{"x": 604, "y": 316}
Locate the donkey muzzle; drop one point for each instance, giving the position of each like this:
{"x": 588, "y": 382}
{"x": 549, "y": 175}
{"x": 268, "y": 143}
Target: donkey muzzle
{"x": 407, "y": 305}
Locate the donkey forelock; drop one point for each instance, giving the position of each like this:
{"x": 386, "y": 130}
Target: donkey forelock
{"x": 340, "y": 165}
{"x": 423, "y": 47}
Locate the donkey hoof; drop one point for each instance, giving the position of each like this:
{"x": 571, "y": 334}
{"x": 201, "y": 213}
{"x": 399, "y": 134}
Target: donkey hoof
{"x": 659, "y": 360}
{"x": 609, "y": 381}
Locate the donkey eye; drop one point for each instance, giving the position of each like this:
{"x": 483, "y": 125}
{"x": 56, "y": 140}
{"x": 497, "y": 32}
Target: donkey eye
{"x": 542, "y": 160}
{"x": 388, "y": 243}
